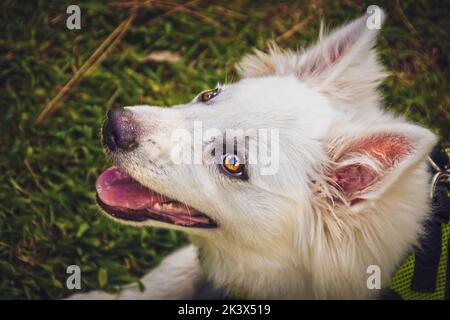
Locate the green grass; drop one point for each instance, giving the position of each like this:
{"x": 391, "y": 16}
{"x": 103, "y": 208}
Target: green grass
{"x": 48, "y": 215}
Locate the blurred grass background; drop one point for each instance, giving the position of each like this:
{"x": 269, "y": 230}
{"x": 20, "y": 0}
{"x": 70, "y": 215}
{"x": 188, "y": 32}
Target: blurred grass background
{"x": 48, "y": 215}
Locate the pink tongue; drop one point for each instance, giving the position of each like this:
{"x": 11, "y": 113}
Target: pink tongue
{"x": 117, "y": 189}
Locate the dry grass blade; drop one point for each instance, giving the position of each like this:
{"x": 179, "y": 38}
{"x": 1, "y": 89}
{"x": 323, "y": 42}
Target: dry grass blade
{"x": 295, "y": 29}
{"x": 188, "y": 8}
{"x": 33, "y": 175}
{"x": 404, "y": 18}
{"x": 115, "y": 42}
{"x": 163, "y": 56}
{"x": 98, "y": 56}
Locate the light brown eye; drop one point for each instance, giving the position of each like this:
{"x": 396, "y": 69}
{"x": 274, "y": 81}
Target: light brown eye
{"x": 209, "y": 94}
{"x": 232, "y": 165}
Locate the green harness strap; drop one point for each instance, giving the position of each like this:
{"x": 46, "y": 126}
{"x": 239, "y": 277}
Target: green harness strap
{"x": 401, "y": 282}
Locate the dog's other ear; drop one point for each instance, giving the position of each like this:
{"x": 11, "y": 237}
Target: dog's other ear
{"x": 363, "y": 168}
{"x": 342, "y": 65}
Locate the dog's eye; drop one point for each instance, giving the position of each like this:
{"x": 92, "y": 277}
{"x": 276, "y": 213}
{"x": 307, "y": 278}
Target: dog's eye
{"x": 207, "y": 95}
{"x": 232, "y": 165}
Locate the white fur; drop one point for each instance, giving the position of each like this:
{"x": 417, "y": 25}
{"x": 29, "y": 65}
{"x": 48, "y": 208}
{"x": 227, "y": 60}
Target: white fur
{"x": 285, "y": 235}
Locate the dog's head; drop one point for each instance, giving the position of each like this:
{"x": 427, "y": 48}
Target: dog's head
{"x": 253, "y": 160}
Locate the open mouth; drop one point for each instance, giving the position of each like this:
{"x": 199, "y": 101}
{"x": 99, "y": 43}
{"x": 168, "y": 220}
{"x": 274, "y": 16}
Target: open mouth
{"x": 126, "y": 199}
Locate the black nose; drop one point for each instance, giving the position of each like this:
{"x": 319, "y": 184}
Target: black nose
{"x": 119, "y": 131}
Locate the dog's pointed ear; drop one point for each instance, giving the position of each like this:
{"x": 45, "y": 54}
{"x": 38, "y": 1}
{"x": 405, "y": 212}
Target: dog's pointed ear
{"x": 345, "y": 57}
{"x": 342, "y": 64}
{"x": 364, "y": 168}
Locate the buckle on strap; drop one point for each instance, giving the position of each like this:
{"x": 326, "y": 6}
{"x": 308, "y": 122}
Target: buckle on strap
{"x": 439, "y": 160}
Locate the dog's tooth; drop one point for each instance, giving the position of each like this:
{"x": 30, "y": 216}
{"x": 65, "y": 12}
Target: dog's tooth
{"x": 157, "y": 206}
{"x": 167, "y": 206}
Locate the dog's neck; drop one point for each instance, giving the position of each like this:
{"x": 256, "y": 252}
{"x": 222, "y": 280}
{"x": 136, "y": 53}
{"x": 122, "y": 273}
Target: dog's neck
{"x": 382, "y": 235}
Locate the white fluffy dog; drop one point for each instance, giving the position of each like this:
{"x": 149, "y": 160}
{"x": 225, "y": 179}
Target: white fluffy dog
{"x": 347, "y": 186}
